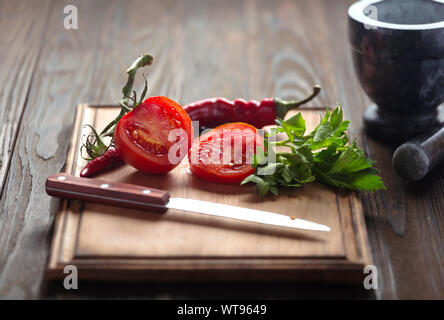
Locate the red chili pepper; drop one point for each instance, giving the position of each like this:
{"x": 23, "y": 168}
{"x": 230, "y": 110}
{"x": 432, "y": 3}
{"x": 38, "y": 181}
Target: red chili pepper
{"x": 109, "y": 159}
{"x": 214, "y": 112}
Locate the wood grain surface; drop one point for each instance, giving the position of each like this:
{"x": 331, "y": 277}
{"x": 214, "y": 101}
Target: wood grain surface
{"x": 250, "y": 49}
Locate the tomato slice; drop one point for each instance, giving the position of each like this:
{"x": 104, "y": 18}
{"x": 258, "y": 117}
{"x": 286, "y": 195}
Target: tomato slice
{"x": 224, "y": 154}
{"x": 147, "y": 139}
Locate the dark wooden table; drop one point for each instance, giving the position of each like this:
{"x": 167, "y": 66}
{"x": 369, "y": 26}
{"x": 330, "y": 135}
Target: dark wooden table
{"x": 249, "y": 49}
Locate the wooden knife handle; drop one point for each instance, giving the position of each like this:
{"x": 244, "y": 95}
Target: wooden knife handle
{"x": 112, "y": 193}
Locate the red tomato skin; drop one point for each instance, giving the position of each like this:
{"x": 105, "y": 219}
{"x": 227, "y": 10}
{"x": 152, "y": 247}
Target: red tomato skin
{"x": 164, "y": 109}
{"x": 208, "y": 173}
{"x": 205, "y": 175}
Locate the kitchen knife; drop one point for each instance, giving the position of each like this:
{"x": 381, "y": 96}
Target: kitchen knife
{"x": 138, "y": 197}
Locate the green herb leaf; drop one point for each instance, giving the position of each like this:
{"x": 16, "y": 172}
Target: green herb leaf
{"x": 296, "y": 124}
{"x": 324, "y": 155}
{"x": 262, "y": 187}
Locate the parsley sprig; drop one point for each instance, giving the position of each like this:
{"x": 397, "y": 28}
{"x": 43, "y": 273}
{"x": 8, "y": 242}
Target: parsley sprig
{"x": 324, "y": 154}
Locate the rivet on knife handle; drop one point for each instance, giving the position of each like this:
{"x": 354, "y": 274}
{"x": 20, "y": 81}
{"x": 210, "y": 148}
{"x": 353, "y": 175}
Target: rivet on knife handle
{"x": 110, "y": 193}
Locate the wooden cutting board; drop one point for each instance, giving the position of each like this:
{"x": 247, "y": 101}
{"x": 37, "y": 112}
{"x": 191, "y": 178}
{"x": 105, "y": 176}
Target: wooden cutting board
{"x": 110, "y": 243}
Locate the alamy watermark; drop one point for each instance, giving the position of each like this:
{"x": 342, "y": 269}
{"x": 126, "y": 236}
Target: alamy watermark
{"x": 371, "y": 12}
{"x": 371, "y": 280}
{"x": 230, "y": 147}
{"x": 71, "y": 20}
{"x": 71, "y": 281}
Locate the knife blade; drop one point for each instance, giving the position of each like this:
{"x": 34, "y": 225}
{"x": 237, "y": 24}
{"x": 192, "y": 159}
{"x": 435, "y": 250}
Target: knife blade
{"x": 244, "y": 214}
{"x": 133, "y": 196}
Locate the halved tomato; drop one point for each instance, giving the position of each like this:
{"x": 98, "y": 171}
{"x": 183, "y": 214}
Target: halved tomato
{"x": 224, "y": 154}
{"x": 155, "y": 136}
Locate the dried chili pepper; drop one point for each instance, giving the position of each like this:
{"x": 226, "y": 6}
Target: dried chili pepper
{"x": 214, "y": 112}
{"x": 107, "y": 160}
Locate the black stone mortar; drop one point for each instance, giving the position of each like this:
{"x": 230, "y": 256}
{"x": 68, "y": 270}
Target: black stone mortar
{"x": 398, "y": 55}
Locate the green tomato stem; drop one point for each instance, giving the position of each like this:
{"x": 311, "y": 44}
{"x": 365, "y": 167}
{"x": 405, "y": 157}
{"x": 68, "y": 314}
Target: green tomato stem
{"x": 140, "y": 62}
{"x": 98, "y": 147}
